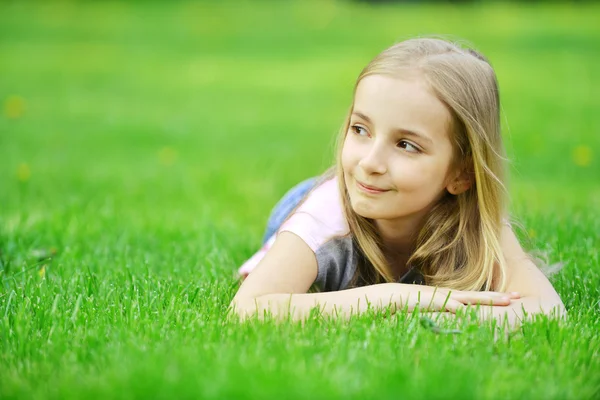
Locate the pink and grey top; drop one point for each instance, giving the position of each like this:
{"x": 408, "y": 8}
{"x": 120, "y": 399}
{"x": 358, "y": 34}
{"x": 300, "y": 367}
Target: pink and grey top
{"x": 320, "y": 222}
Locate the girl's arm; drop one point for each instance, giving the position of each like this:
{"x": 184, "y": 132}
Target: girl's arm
{"x": 280, "y": 282}
{"x": 537, "y": 294}
{"x": 341, "y": 304}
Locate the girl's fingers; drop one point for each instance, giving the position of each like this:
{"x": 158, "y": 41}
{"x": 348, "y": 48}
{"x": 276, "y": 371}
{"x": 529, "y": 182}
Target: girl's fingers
{"x": 453, "y": 306}
{"x": 484, "y": 299}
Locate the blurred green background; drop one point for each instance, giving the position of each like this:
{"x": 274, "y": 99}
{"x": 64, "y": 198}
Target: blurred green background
{"x": 218, "y": 107}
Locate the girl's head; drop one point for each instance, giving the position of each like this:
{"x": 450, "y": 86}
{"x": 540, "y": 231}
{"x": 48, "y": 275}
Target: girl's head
{"x": 424, "y": 128}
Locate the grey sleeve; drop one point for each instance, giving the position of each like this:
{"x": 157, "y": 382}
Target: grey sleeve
{"x": 337, "y": 263}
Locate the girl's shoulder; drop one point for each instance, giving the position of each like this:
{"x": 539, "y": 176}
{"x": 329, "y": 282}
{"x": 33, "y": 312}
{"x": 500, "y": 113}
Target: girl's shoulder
{"x": 318, "y": 219}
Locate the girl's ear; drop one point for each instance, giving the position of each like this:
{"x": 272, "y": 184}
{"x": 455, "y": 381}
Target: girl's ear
{"x": 463, "y": 180}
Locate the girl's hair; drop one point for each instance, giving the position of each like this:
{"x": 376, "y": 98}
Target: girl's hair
{"x": 459, "y": 244}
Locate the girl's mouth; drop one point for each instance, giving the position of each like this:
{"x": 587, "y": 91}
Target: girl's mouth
{"x": 369, "y": 189}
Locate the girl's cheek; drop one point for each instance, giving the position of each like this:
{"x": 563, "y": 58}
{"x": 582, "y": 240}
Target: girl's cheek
{"x": 350, "y": 156}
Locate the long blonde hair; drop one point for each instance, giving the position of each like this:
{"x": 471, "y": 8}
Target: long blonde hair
{"x": 459, "y": 244}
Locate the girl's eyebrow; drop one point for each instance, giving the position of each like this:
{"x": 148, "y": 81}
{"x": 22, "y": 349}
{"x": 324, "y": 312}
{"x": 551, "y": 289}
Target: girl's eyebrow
{"x": 397, "y": 130}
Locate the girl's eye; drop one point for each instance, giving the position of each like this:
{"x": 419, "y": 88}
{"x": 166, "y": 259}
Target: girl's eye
{"x": 357, "y": 129}
{"x": 408, "y": 147}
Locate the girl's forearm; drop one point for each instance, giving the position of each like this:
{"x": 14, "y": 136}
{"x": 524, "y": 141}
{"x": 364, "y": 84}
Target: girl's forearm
{"x": 344, "y": 303}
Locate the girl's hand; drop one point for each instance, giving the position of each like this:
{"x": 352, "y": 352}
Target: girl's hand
{"x": 483, "y": 298}
{"x": 431, "y": 298}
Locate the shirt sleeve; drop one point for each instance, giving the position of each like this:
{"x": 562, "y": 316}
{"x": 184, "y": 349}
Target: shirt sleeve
{"x": 319, "y": 218}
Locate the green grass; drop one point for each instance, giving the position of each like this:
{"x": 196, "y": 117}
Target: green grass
{"x": 147, "y": 143}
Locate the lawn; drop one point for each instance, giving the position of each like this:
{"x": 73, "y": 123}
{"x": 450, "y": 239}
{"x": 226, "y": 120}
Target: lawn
{"x": 143, "y": 145}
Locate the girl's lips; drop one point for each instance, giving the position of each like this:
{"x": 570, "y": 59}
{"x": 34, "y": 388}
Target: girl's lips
{"x": 369, "y": 189}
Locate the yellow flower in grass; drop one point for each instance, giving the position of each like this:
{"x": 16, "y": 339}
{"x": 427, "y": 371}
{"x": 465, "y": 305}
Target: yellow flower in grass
{"x": 42, "y": 271}
{"x": 167, "y": 155}
{"x": 14, "y": 107}
{"x": 532, "y": 233}
{"x": 582, "y": 156}
{"x": 23, "y": 172}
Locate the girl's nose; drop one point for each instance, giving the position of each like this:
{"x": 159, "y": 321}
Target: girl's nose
{"x": 373, "y": 162}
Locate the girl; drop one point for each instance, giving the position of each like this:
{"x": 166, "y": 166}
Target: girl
{"x": 413, "y": 212}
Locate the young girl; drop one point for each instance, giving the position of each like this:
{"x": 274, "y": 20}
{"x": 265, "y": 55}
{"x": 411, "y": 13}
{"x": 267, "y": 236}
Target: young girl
{"x": 413, "y": 214}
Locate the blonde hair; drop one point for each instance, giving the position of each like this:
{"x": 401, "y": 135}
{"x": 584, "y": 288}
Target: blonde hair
{"x": 459, "y": 244}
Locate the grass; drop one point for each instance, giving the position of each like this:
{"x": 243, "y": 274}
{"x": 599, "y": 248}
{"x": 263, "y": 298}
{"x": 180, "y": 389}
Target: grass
{"x": 145, "y": 144}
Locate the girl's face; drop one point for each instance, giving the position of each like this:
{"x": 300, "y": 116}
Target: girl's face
{"x": 398, "y": 142}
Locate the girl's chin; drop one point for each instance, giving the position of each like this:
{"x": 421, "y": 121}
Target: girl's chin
{"x": 367, "y": 210}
